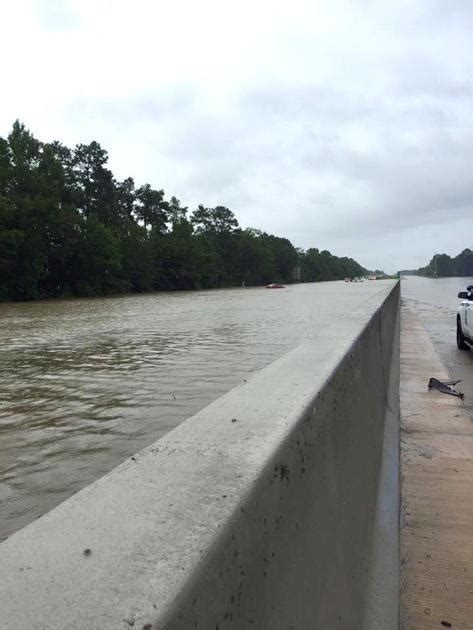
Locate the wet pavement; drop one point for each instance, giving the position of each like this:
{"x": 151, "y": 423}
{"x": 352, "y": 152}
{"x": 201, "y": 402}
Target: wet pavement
{"x": 435, "y": 303}
{"x": 436, "y": 483}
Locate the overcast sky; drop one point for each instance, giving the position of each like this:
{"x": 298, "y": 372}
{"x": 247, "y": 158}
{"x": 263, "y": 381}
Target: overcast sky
{"x": 340, "y": 125}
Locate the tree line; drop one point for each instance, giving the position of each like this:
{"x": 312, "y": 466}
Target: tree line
{"x": 68, "y": 227}
{"x": 442, "y": 265}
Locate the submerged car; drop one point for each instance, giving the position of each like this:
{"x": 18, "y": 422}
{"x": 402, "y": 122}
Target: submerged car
{"x": 465, "y": 319}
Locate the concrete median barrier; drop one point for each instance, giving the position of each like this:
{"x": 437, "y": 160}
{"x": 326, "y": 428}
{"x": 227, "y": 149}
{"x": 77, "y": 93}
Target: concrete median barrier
{"x": 274, "y": 507}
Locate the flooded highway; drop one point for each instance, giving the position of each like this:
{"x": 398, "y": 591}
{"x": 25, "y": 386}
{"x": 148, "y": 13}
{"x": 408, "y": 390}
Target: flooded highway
{"x": 435, "y": 302}
{"x": 86, "y": 383}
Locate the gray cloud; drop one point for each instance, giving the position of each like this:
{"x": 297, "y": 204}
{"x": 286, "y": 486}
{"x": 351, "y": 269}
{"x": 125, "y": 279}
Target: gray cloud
{"x": 56, "y": 15}
{"x": 349, "y": 129}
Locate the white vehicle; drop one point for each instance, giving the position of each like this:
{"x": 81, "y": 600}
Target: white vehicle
{"x": 465, "y": 319}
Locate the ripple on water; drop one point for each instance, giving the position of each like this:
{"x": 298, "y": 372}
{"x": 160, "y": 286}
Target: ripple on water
{"x": 86, "y": 383}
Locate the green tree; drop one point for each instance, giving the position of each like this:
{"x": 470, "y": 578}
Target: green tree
{"x": 126, "y": 199}
{"x": 68, "y": 227}
{"x": 176, "y": 212}
{"x": 285, "y": 257}
{"x": 216, "y": 220}
{"x": 152, "y": 209}
{"x": 136, "y": 256}
{"x": 93, "y": 185}
{"x": 24, "y": 152}
{"x": 96, "y": 265}
{"x": 254, "y": 259}
{"x": 464, "y": 263}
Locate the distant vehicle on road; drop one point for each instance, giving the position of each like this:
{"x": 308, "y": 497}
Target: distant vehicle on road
{"x": 465, "y": 319}
{"x": 357, "y": 279}
{"x": 274, "y": 286}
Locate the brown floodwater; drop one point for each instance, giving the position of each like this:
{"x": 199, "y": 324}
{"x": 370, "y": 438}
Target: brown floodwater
{"x": 86, "y": 383}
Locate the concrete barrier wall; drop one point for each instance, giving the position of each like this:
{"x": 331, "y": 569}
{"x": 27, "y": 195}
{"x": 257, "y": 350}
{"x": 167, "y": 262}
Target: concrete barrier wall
{"x": 275, "y": 507}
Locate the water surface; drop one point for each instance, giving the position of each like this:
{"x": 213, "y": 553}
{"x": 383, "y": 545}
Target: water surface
{"x": 86, "y": 383}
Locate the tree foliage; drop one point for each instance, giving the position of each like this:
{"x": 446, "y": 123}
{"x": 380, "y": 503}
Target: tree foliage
{"x": 68, "y": 227}
{"x": 442, "y": 265}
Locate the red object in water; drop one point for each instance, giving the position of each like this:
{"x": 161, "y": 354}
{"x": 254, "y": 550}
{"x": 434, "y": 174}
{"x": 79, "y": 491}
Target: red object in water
{"x": 274, "y": 286}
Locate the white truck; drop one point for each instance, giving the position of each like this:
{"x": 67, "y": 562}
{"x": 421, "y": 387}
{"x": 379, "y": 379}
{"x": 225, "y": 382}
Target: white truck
{"x": 465, "y": 319}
